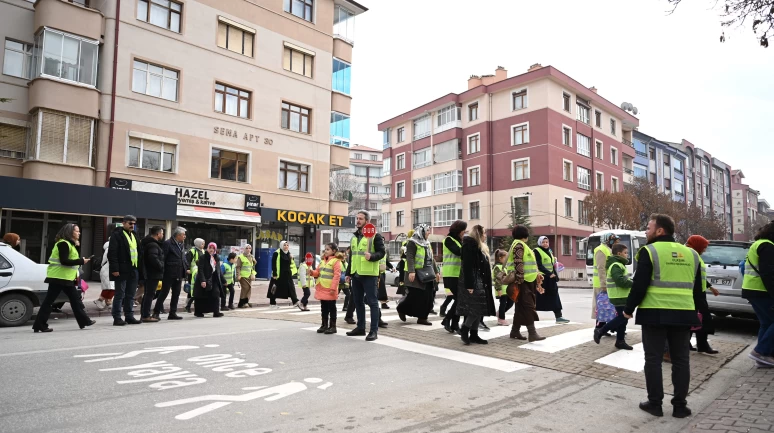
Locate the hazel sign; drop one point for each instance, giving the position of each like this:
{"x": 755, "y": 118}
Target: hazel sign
{"x": 291, "y": 216}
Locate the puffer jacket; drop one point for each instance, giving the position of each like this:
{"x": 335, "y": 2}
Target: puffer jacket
{"x": 104, "y": 271}
{"x": 331, "y": 294}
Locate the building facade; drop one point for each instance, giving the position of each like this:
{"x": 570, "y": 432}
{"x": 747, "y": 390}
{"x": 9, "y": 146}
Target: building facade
{"x": 230, "y": 106}
{"x": 539, "y": 142}
{"x": 664, "y": 165}
{"x": 746, "y": 205}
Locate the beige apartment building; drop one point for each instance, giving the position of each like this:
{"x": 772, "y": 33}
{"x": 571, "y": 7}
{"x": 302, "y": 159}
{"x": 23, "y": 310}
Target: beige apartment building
{"x": 223, "y": 116}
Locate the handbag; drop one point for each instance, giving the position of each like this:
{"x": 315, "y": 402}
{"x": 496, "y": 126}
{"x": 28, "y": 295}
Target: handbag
{"x": 425, "y": 275}
{"x": 187, "y": 287}
{"x": 513, "y": 291}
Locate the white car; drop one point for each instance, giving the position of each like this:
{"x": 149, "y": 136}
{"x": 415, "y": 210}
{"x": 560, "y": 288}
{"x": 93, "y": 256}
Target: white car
{"x": 391, "y": 276}
{"x": 21, "y": 287}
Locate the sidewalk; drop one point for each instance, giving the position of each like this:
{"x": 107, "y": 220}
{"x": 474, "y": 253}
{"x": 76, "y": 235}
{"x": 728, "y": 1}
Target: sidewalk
{"x": 580, "y": 284}
{"x": 747, "y": 406}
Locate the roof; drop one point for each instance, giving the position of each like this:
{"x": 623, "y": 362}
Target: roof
{"x": 357, "y": 5}
{"x": 365, "y": 162}
{"x": 360, "y": 148}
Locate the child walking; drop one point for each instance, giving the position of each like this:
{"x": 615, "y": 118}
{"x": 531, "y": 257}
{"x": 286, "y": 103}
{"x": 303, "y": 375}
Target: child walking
{"x": 305, "y": 280}
{"x": 229, "y": 271}
{"x": 498, "y": 274}
{"x": 618, "y": 287}
{"x": 326, "y": 291}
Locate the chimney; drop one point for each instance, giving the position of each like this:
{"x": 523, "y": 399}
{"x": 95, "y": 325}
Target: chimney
{"x": 593, "y": 89}
{"x": 500, "y": 74}
{"x": 474, "y": 81}
{"x": 534, "y": 67}
{"x": 488, "y": 79}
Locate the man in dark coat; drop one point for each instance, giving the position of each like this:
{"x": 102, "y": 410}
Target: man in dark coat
{"x": 152, "y": 269}
{"x": 364, "y": 284}
{"x": 175, "y": 268}
{"x": 124, "y": 257}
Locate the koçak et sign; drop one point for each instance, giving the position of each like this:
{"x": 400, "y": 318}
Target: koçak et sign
{"x": 193, "y": 196}
{"x": 307, "y": 218}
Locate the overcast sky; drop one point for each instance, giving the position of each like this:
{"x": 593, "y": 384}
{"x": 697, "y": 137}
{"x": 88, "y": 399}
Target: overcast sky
{"x": 685, "y": 83}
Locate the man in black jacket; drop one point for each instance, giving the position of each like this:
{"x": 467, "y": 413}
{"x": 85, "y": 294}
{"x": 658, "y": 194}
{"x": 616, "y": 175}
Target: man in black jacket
{"x": 364, "y": 286}
{"x": 665, "y": 325}
{"x": 175, "y": 268}
{"x": 124, "y": 257}
{"x": 152, "y": 269}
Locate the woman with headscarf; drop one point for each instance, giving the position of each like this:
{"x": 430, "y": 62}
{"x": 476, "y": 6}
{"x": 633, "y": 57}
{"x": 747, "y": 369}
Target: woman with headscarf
{"x": 192, "y": 258}
{"x": 601, "y": 253}
{"x": 452, "y": 263}
{"x": 283, "y": 268}
{"x": 419, "y": 263}
{"x": 474, "y": 290}
{"x": 209, "y": 282}
{"x": 700, "y": 244}
{"x": 245, "y": 264}
{"x": 549, "y": 300}
{"x": 521, "y": 259}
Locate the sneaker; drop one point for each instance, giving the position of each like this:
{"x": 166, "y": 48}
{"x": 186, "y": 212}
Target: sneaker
{"x": 651, "y": 408}
{"x": 562, "y": 321}
{"x": 681, "y": 412}
{"x": 100, "y": 303}
{"x": 119, "y": 322}
{"x": 502, "y": 322}
{"x": 763, "y": 359}
{"x": 299, "y": 306}
{"x": 136, "y": 305}
{"x": 762, "y": 365}
{"x": 623, "y": 346}
{"x": 385, "y": 306}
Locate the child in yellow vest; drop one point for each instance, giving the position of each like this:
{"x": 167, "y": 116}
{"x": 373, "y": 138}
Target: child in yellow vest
{"x": 499, "y": 273}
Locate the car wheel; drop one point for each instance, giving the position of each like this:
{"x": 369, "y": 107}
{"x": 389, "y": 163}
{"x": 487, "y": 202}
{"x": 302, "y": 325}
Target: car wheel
{"x": 15, "y": 309}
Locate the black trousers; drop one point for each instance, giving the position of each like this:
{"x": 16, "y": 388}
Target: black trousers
{"x": 505, "y": 304}
{"x": 147, "y": 297}
{"x": 230, "y": 289}
{"x": 41, "y": 322}
{"x": 349, "y": 300}
{"x": 307, "y": 294}
{"x": 678, "y": 339}
{"x": 170, "y": 284}
{"x": 328, "y": 310}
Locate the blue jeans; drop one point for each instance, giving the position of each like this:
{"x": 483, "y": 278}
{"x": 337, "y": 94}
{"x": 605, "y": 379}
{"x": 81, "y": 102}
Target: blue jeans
{"x": 763, "y": 309}
{"x": 618, "y": 324}
{"x": 125, "y": 291}
{"x": 366, "y": 287}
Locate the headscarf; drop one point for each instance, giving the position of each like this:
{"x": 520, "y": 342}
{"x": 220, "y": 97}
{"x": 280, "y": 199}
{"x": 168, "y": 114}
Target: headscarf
{"x": 419, "y": 235}
{"x": 282, "y": 246}
{"x": 213, "y": 263}
{"x": 698, "y": 243}
{"x": 540, "y": 245}
{"x": 608, "y": 239}
{"x": 199, "y": 243}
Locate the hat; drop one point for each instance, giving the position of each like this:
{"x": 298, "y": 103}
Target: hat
{"x": 698, "y": 243}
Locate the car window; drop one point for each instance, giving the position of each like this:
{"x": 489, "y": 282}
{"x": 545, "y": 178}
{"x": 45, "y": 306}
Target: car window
{"x": 4, "y": 263}
{"x": 724, "y": 255}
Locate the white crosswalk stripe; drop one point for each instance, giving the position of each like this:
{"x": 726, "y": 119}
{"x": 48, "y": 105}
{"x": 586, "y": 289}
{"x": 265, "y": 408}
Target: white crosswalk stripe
{"x": 632, "y": 360}
{"x": 561, "y": 341}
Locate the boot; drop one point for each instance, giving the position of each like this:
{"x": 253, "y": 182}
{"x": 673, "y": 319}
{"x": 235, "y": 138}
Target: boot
{"x": 447, "y": 324}
{"x": 349, "y": 320}
{"x": 533, "y": 335}
{"x": 188, "y": 304}
{"x": 324, "y": 326}
{"x": 464, "y": 335}
{"x": 474, "y": 338}
{"x": 332, "y": 328}
{"x": 516, "y": 333}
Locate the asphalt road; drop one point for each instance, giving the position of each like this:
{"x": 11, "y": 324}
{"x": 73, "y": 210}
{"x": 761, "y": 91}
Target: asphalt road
{"x": 251, "y": 375}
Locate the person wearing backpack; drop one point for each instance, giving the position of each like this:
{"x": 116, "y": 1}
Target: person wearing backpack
{"x": 758, "y": 289}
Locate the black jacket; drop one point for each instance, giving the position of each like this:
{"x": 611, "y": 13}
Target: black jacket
{"x": 119, "y": 257}
{"x": 641, "y": 282}
{"x": 475, "y": 265}
{"x": 378, "y": 253}
{"x": 174, "y": 260}
{"x": 213, "y": 278}
{"x": 64, "y": 258}
{"x": 766, "y": 269}
{"x": 152, "y": 259}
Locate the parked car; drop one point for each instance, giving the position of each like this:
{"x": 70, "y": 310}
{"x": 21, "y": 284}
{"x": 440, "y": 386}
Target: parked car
{"x": 391, "y": 276}
{"x": 722, "y": 259}
{"x": 21, "y": 287}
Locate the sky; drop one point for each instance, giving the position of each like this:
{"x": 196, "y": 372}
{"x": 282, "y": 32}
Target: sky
{"x": 685, "y": 83}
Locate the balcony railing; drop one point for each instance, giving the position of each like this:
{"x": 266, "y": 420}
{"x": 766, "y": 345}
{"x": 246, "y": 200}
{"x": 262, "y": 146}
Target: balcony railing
{"x": 642, "y": 154}
{"x": 627, "y": 142}
{"x": 628, "y": 170}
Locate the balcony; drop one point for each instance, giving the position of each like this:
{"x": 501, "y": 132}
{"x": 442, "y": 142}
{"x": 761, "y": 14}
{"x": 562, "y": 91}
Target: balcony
{"x": 627, "y": 142}
{"x": 642, "y": 154}
{"x": 69, "y": 17}
{"x": 628, "y": 171}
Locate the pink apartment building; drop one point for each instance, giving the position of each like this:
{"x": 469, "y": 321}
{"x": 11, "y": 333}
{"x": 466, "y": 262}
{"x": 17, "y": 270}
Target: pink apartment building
{"x": 539, "y": 140}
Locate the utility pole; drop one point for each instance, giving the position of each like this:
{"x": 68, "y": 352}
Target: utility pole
{"x": 556, "y": 224}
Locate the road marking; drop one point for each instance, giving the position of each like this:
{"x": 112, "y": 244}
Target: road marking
{"x": 436, "y": 325}
{"x": 123, "y": 343}
{"x": 632, "y": 360}
{"x": 282, "y": 310}
{"x": 561, "y": 341}
{"x": 452, "y": 355}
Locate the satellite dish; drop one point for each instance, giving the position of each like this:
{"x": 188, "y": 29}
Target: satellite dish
{"x": 634, "y": 110}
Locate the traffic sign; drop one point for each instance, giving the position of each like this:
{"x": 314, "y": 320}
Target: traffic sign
{"x": 369, "y": 230}
{"x": 309, "y": 259}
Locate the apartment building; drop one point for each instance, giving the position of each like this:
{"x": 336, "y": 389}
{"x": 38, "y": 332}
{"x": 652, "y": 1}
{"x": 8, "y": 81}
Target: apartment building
{"x": 539, "y": 141}
{"x": 665, "y": 165}
{"x": 236, "y": 111}
{"x": 746, "y": 205}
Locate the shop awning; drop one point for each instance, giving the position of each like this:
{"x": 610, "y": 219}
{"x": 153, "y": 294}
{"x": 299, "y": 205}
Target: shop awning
{"x": 209, "y": 213}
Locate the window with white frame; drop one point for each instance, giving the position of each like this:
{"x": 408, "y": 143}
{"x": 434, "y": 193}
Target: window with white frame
{"x": 600, "y": 181}
{"x": 583, "y": 213}
{"x": 388, "y": 190}
{"x": 519, "y": 99}
{"x": 679, "y": 187}
{"x": 358, "y": 156}
{"x": 422, "y": 215}
{"x": 474, "y": 176}
{"x": 473, "y": 112}
{"x": 614, "y": 155}
{"x": 421, "y": 187}
{"x": 400, "y": 189}
{"x": 566, "y": 136}
{"x": 447, "y": 115}
{"x": 151, "y": 155}
{"x": 386, "y": 165}
{"x": 374, "y": 189}
{"x": 385, "y": 222}
{"x": 584, "y": 178}
{"x": 374, "y": 157}
{"x": 566, "y": 102}
{"x": 401, "y": 134}
{"x": 598, "y": 149}
{"x": 583, "y": 111}
{"x": 422, "y": 127}
{"x": 65, "y": 56}
{"x": 613, "y": 127}
{"x": 583, "y": 145}
{"x": 446, "y": 214}
{"x": 18, "y": 59}
{"x": 153, "y": 80}
{"x": 474, "y": 210}
{"x": 386, "y": 138}
{"x": 446, "y": 151}
{"x": 344, "y": 23}
{"x": 372, "y": 205}
{"x": 566, "y": 245}
{"x": 520, "y": 134}
{"x": 520, "y": 169}
{"x": 161, "y": 13}
{"x": 614, "y": 184}
{"x": 474, "y": 144}
{"x": 400, "y": 218}
{"x": 400, "y": 161}
{"x": 422, "y": 158}
{"x": 598, "y": 118}
{"x": 450, "y": 181}
{"x": 567, "y": 170}
{"x": 568, "y": 207}
{"x": 520, "y": 205}
{"x": 61, "y": 137}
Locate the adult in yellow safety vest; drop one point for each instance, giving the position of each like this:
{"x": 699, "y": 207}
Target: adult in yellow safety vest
{"x": 124, "y": 257}
{"x": 758, "y": 289}
{"x": 192, "y": 258}
{"x": 599, "y": 280}
{"x": 665, "y": 288}
{"x": 700, "y": 244}
{"x": 618, "y": 285}
{"x": 422, "y": 273}
{"x": 245, "y": 264}
{"x": 283, "y": 269}
{"x": 546, "y": 261}
{"x": 363, "y": 275}
{"x": 452, "y": 264}
{"x": 62, "y": 276}
{"x": 522, "y": 261}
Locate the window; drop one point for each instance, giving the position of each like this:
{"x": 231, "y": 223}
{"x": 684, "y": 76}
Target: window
{"x": 238, "y": 38}
{"x": 653, "y": 179}
{"x": 162, "y": 13}
{"x": 678, "y": 165}
{"x": 60, "y": 55}
{"x": 422, "y": 158}
{"x": 373, "y": 205}
{"x": 519, "y": 99}
{"x": 474, "y": 210}
{"x": 706, "y": 190}
{"x": 228, "y": 165}
{"x": 667, "y": 184}
{"x": 473, "y": 112}
{"x": 447, "y": 151}
{"x": 294, "y": 177}
{"x": 474, "y": 145}
{"x": 374, "y": 157}
{"x": 18, "y": 59}
{"x": 520, "y": 169}
{"x": 613, "y": 128}
{"x": 566, "y": 102}
{"x": 232, "y": 101}
{"x": 400, "y": 189}
{"x": 151, "y": 155}
{"x": 448, "y": 115}
{"x": 566, "y": 136}
{"x": 386, "y": 222}
{"x": 600, "y": 181}
{"x": 450, "y": 181}
{"x": 422, "y": 187}
{"x": 614, "y": 155}
{"x": 386, "y": 135}
{"x": 584, "y": 178}
{"x": 446, "y": 214}
{"x": 296, "y": 118}
{"x": 339, "y": 129}
{"x": 583, "y": 145}
{"x": 422, "y": 215}
{"x": 598, "y": 118}
{"x": 568, "y": 207}
{"x": 598, "y": 149}
{"x": 520, "y": 134}
{"x": 300, "y": 8}
{"x": 583, "y": 213}
{"x": 342, "y": 76}
{"x": 359, "y": 170}
{"x": 84, "y": 3}
{"x": 640, "y": 171}
{"x": 705, "y": 169}
{"x": 386, "y": 163}
{"x": 614, "y": 184}
{"x": 344, "y": 23}
{"x": 62, "y": 138}
{"x": 520, "y": 205}
{"x": 399, "y": 218}
{"x": 422, "y": 127}
{"x": 567, "y": 170}
{"x": 583, "y": 112}
{"x": 300, "y": 61}
{"x": 566, "y": 245}
{"x": 154, "y": 80}
{"x": 358, "y": 156}
{"x": 474, "y": 176}
{"x": 388, "y": 190}
{"x": 666, "y": 159}
{"x": 13, "y": 141}
{"x": 400, "y": 161}
{"x": 652, "y": 154}
{"x": 401, "y": 134}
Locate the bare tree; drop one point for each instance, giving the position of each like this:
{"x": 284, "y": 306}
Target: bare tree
{"x": 652, "y": 201}
{"x": 692, "y": 220}
{"x": 614, "y": 210}
{"x": 752, "y": 228}
{"x": 343, "y": 187}
{"x": 735, "y": 13}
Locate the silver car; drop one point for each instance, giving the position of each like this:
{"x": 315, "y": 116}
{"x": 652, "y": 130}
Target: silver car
{"x": 722, "y": 259}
